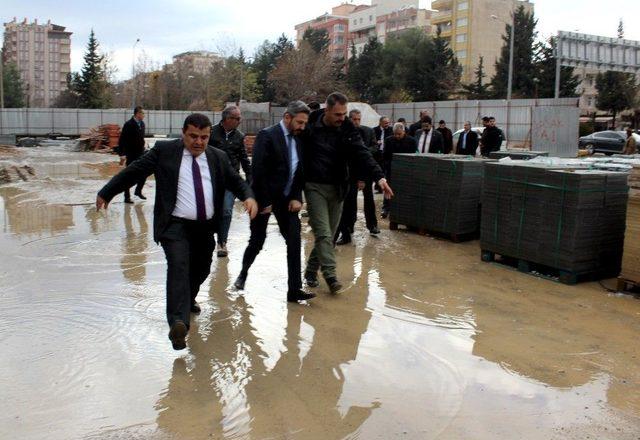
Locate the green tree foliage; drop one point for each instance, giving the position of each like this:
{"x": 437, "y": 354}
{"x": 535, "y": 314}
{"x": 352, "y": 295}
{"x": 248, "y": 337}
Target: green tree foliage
{"x": 265, "y": 59}
{"x": 364, "y": 76}
{"x": 545, "y": 71}
{"x": 318, "y": 39}
{"x": 523, "y": 59}
{"x": 617, "y": 91}
{"x": 477, "y": 89}
{"x": 69, "y": 98}
{"x": 13, "y": 87}
{"x": 93, "y": 85}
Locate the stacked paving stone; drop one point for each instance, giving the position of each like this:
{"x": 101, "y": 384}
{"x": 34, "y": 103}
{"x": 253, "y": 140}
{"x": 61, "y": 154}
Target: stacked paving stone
{"x": 517, "y": 154}
{"x": 569, "y": 219}
{"x": 437, "y": 193}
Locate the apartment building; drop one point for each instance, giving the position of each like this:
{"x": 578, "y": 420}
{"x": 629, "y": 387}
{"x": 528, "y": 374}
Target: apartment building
{"x": 337, "y": 26}
{"x": 42, "y": 53}
{"x": 474, "y": 29}
{"x": 199, "y": 61}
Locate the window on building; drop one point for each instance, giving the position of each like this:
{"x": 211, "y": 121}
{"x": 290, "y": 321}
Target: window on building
{"x": 360, "y": 20}
{"x": 461, "y": 22}
{"x": 463, "y": 6}
{"x": 461, "y": 38}
{"x": 370, "y": 17}
{"x": 461, "y": 54}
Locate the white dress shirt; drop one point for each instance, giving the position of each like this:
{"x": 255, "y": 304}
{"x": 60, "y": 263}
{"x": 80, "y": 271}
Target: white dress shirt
{"x": 424, "y": 142}
{"x": 186, "y": 200}
{"x": 293, "y": 157}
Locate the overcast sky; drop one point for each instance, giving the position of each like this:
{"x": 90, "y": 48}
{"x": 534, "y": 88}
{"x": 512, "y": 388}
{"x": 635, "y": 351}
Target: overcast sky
{"x": 168, "y": 27}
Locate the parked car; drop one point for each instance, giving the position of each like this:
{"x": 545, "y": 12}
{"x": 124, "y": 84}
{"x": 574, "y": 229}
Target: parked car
{"x": 607, "y": 142}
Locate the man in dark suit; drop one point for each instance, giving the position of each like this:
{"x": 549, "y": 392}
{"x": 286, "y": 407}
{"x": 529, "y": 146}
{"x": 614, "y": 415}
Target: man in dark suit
{"x": 418, "y": 124}
{"x": 382, "y": 131}
{"x": 429, "y": 140}
{"x": 399, "y": 143}
{"x": 350, "y": 206}
{"x": 190, "y": 188}
{"x": 447, "y": 136}
{"x": 468, "y": 141}
{"x": 277, "y": 183}
{"x": 131, "y": 147}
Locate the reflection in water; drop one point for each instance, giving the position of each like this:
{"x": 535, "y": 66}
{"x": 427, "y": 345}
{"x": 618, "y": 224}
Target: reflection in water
{"x": 134, "y": 246}
{"x": 27, "y": 214}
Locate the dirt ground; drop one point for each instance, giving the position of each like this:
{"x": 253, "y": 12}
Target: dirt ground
{"x": 425, "y": 342}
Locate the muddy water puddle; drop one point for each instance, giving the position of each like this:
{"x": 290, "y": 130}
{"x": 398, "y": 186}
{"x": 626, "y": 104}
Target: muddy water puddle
{"x": 425, "y": 342}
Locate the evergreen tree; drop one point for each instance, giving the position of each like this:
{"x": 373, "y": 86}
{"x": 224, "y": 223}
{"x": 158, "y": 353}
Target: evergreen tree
{"x": 477, "y": 89}
{"x": 93, "y": 84}
{"x": 446, "y": 70}
{"x": 265, "y": 59}
{"x": 616, "y": 92}
{"x": 620, "y": 29}
{"x": 317, "y": 38}
{"x": 545, "y": 70}
{"x": 69, "y": 98}
{"x": 364, "y": 72}
{"x": 13, "y": 87}
{"x": 523, "y": 58}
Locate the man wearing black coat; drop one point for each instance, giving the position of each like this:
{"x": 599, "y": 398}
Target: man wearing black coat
{"x": 190, "y": 189}
{"x": 399, "y": 143}
{"x": 429, "y": 140}
{"x": 350, "y": 206}
{"x": 447, "y": 136}
{"x": 468, "y": 141}
{"x": 131, "y": 147}
{"x": 277, "y": 183}
{"x": 492, "y": 136}
{"x": 418, "y": 125}
{"x": 226, "y": 137}
{"x": 381, "y": 132}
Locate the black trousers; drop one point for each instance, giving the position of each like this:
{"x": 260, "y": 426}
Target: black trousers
{"x": 289, "y": 224}
{"x": 139, "y": 184}
{"x": 188, "y": 247}
{"x": 350, "y": 209}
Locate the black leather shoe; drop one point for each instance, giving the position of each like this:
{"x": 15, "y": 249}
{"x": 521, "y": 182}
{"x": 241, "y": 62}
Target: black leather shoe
{"x": 177, "y": 334}
{"x": 128, "y": 201}
{"x": 239, "y": 283}
{"x": 334, "y": 285}
{"x": 374, "y": 231}
{"x": 384, "y": 214}
{"x": 311, "y": 279}
{"x": 300, "y": 295}
{"x": 343, "y": 240}
{"x": 195, "y": 307}
{"x": 140, "y": 196}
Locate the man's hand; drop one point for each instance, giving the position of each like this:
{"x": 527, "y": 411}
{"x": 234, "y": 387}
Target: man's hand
{"x": 251, "y": 206}
{"x": 386, "y": 189}
{"x": 123, "y": 160}
{"x": 267, "y": 210}
{"x": 101, "y": 203}
{"x": 295, "y": 206}
{"x": 360, "y": 185}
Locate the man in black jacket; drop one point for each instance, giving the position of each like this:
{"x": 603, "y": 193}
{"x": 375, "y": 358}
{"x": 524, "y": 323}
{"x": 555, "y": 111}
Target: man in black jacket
{"x": 447, "y": 136}
{"x": 277, "y": 184}
{"x": 429, "y": 140}
{"x": 492, "y": 136}
{"x": 131, "y": 147}
{"x": 226, "y": 137}
{"x": 190, "y": 189}
{"x": 418, "y": 125}
{"x": 332, "y": 150}
{"x": 468, "y": 141}
{"x": 400, "y": 142}
{"x": 350, "y": 206}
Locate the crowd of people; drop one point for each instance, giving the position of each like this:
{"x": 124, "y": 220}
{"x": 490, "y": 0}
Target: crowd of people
{"x": 321, "y": 156}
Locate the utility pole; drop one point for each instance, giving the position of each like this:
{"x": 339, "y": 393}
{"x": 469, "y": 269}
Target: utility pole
{"x": 1, "y": 78}
{"x": 133, "y": 74}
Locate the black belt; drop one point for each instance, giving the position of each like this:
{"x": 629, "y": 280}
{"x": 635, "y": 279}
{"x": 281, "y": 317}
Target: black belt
{"x": 187, "y": 221}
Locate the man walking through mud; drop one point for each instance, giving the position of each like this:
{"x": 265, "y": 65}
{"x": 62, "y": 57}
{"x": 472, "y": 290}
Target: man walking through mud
{"x": 333, "y": 149}
{"x": 190, "y": 188}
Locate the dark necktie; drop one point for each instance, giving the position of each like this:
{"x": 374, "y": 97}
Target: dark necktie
{"x": 424, "y": 142}
{"x": 287, "y": 188}
{"x": 197, "y": 187}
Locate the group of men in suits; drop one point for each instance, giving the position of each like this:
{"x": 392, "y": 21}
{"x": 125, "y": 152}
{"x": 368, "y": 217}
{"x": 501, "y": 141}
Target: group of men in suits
{"x": 315, "y": 151}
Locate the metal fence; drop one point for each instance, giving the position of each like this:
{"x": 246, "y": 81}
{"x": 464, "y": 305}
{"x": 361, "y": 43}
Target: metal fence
{"x": 539, "y": 124}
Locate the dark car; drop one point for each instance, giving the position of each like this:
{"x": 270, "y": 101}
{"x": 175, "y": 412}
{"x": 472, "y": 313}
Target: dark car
{"x": 607, "y": 142}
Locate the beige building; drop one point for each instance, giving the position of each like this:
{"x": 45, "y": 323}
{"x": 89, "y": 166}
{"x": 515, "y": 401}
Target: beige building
{"x": 337, "y": 26}
{"x": 42, "y": 53}
{"x": 472, "y": 32}
{"x": 199, "y": 61}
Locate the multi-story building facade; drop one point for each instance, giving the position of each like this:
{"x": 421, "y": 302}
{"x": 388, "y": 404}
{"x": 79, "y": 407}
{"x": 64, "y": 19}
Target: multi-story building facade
{"x": 474, "y": 29}
{"x": 337, "y": 26}
{"x": 199, "y": 61}
{"x": 42, "y": 53}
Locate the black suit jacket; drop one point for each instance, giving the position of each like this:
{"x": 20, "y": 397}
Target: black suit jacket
{"x": 437, "y": 142}
{"x": 387, "y": 132}
{"x": 131, "y": 142}
{"x": 415, "y": 127}
{"x": 163, "y": 161}
{"x": 271, "y": 166}
{"x": 471, "y": 145}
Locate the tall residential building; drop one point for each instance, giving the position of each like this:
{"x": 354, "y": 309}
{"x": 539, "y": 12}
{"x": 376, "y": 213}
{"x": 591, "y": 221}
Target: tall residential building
{"x": 199, "y": 61}
{"x": 473, "y": 32}
{"x": 337, "y": 26}
{"x": 42, "y": 53}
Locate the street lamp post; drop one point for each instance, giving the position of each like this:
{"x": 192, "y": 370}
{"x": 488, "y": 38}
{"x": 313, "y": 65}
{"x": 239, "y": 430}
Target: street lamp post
{"x": 133, "y": 73}
{"x": 511, "y": 39}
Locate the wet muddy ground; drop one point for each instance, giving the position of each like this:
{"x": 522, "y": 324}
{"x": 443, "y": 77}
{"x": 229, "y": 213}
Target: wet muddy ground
{"x": 425, "y": 342}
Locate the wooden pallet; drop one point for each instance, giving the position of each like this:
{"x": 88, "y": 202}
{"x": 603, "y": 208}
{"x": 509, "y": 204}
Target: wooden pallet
{"x": 547, "y": 272}
{"x": 456, "y": 238}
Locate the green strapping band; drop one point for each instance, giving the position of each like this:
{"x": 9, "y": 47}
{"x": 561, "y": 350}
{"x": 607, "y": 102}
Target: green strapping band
{"x": 522, "y": 211}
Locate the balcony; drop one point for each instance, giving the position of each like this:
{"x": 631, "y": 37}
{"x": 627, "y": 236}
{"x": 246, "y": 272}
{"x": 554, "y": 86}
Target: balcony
{"x": 443, "y": 15}
{"x": 441, "y": 4}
